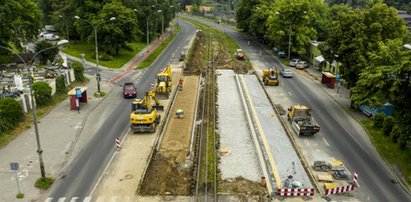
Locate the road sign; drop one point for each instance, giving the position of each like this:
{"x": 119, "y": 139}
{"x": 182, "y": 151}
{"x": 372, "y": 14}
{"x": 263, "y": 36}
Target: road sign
{"x": 14, "y": 166}
{"x": 78, "y": 92}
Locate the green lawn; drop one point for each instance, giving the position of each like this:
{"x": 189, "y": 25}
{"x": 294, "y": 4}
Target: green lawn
{"x": 76, "y": 48}
{"x": 389, "y": 150}
{"x": 148, "y": 61}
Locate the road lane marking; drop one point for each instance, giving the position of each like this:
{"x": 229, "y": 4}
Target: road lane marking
{"x": 326, "y": 142}
{"x": 282, "y": 83}
{"x": 290, "y": 93}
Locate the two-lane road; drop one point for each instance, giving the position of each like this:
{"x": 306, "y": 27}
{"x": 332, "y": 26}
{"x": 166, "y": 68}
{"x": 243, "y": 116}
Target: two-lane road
{"x": 341, "y": 134}
{"x": 83, "y": 171}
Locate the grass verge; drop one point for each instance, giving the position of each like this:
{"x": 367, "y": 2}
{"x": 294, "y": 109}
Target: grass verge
{"x": 44, "y": 183}
{"x": 76, "y": 48}
{"x": 148, "y": 61}
{"x": 390, "y": 151}
{"x": 41, "y": 112}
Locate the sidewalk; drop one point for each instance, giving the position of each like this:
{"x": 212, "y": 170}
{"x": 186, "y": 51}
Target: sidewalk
{"x": 59, "y": 132}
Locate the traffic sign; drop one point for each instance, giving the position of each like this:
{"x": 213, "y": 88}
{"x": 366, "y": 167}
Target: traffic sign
{"x": 78, "y": 92}
{"x": 14, "y": 166}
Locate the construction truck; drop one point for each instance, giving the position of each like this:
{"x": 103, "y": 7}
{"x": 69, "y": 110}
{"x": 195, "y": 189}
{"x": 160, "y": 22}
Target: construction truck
{"x": 163, "y": 85}
{"x": 270, "y": 77}
{"x": 301, "y": 120}
{"x": 144, "y": 116}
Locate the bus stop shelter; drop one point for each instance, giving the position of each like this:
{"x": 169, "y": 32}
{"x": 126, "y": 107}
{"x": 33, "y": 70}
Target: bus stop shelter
{"x": 329, "y": 79}
{"x": 77, "y": 95}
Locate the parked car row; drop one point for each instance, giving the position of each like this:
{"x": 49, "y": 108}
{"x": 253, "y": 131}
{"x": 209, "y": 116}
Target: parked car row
{"x": 298, "y": 63}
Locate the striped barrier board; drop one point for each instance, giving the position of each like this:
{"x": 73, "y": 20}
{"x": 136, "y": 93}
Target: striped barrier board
{"x": 338, "y": 190}
{"x": 295, "y": 192}
{"x": 346, "y": 188}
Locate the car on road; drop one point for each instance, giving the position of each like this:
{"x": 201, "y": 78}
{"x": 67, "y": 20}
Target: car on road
{"x": 293, "y": 62}
{"x": 129, "y": 90}
{"x": 301, "y": 64}
{"x": 281, "y": 54}
{"x": 287, "y": 73}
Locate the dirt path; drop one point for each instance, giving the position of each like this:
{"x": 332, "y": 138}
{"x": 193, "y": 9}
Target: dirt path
{"x": 169, "y": 173}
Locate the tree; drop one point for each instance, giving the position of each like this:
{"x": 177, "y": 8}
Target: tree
{"x": 61, "y": 88}
{"x": 244, "y": 13}
{"x": 78, "y": 71}
{"x": 291, "y": 17}
{"x": 20, "y": 21}
{"x": 42, "y": 93}
{"x": 11, "y": 114}
{"x": 48, "y": 54}
{"x": 114, "y": 35}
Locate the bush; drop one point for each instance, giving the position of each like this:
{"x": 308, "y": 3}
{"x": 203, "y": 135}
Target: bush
{"x": 379, "y": 120}
{"x": 44, "y": 183}
{"x": 11, "y": 114}
{"x": 61, "y": 85}
{"x": 42, "y": 93}
{"x": 78, "y": 71}
{"x": 105, "y": 57}
{"x": 405, "y": 136}
{"x": 20, "y": 195}
{"x": 388, "y": 125}
{"x": 395, "y": 133}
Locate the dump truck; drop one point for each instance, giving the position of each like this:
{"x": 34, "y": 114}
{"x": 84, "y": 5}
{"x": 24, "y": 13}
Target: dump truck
{"x": 163, "y": 84}
{"x": 302, "y": 121}
{"x": 144, "y": 116}
{"x": 270, "y": 76}
{"x": 239, "y": 54}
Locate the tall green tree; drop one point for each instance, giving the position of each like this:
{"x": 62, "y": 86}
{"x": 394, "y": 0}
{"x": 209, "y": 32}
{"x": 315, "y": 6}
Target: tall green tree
{"x": 47, "y": 55}
{"x": 20, "y": 21}
{"x": 244, "y": 13}
{"x": 291, "y": 18}
{"x": 114, "y": 35}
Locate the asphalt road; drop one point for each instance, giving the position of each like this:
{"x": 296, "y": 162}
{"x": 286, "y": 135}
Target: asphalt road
{"x": 374, "y": 176}
{"x": 83, "y": 171}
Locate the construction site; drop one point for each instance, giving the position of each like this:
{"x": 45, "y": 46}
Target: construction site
{"x": 220, "y": 135}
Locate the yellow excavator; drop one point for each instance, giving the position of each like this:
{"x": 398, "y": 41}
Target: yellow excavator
{"x": 163, "y": 85}
{"x": 270, "y": 76}
{"x": 144, "y": 116}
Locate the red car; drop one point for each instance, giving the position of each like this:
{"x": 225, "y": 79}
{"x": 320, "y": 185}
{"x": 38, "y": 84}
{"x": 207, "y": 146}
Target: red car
{"x": 129, "y": 90}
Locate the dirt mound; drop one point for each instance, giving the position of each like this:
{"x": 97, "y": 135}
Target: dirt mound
{"x": 244, "y": 186}
{"x": 166, "y": 179}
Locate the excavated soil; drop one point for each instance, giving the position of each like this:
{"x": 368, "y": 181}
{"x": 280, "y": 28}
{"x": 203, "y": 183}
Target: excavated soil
{"x": 244, "y": 186}
{"x": 170, "y": 172}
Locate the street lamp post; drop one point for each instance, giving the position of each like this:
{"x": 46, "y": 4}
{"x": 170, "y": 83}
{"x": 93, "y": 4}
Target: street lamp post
{"x": 162, "y": 21}
{"x": 33, "y": 103}
{"x": 67, "y": 32}
{"x": 147, "y": 28}
{"x": 98, "y": 78}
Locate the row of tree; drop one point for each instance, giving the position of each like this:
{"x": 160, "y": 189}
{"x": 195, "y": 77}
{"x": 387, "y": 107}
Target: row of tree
{"x": 22, "y": 20}
{"x": 368, "y": 41}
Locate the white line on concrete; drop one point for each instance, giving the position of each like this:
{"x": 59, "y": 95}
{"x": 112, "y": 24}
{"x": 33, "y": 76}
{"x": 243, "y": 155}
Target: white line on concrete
{"x": 326, "y": 142}
{"x": 290, "y": 93}
{"x": 282, "y": 83}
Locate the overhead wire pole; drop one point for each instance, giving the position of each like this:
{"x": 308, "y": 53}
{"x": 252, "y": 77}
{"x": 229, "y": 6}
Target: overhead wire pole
{"x": 33, "y": 103}
{"x": 98, "y": 78}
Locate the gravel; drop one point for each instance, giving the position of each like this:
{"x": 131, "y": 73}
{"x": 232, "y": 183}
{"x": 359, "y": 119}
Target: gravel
{"x": 241, "y": 160}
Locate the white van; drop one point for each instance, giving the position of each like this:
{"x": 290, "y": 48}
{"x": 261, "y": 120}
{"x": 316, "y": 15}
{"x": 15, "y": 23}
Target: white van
{"x": 50, "y": 37}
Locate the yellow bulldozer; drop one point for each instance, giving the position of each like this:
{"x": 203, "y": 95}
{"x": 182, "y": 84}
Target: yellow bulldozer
{"x": 270, "y": 77}
{"x": 163, "y": 84}
{"x": 144, "y": 116}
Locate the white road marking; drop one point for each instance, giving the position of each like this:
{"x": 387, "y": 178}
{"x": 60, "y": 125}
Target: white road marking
{"x": 62, "y": 199}
{"x": 282, "y": 83}
{"x": 326, "y": 142}
{"x": 49, "y": 199}
{"x": 290, "y": 93}
{"x": 87, "y": 199}
{"x": 74, "y": 199}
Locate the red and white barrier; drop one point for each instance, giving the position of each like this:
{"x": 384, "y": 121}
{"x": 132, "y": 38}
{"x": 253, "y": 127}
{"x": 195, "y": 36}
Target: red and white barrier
{"x": 338, "y": 190}
{"x": 346, "y": 188}
{"x": 118, "y": 143}
{"x": 295, "y": 192}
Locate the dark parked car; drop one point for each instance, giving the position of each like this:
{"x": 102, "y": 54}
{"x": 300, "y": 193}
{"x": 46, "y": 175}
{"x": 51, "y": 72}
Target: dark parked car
{"x": 129, "y": 90}
{"x": 340, "y": 175}
{"x": 281, "y": 54}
